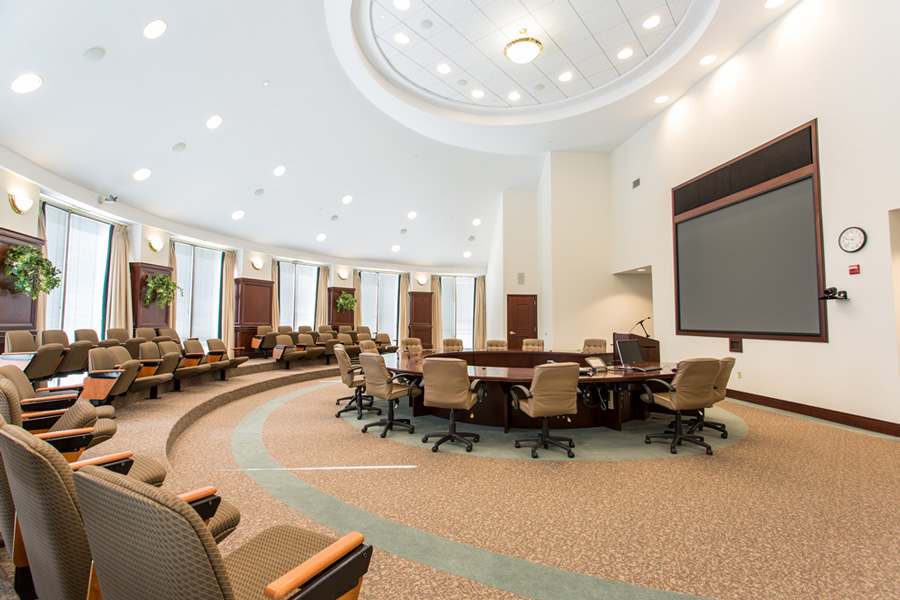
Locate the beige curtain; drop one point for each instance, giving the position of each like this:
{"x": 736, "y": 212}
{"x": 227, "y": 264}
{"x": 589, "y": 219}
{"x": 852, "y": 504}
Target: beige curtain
{"x": 480, "y": 336}
{"x": 276, "y": 314}
{"x": 226, "y": 324}
{"x": 357, "y": 292}
{"x": 403, "y": 317}
{"x": 41, "y": 316}
{"x": 437, "y": 328}
{"x": 119, "y": 312}
{"x": 173, "y": 262}
{"x": 322, "y": 297}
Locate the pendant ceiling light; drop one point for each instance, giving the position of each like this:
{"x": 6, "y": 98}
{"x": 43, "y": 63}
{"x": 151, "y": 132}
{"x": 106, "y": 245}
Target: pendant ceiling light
{"x": 523, "y": 50}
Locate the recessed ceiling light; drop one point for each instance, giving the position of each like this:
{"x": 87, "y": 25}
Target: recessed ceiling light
{"x": 334, "y": 217}
{"x": 401, "y": 38}
{"x": 411, "y": 214}
{"x": 774, "y": 3}
{"x": 259, "y": 192}
{"x": 708, "y": 60}
{"x": 476, "y": 222}
{"x": 401, "y": 4}
{"x": 477, "y": 94}
{"x": 179, "y": 147}
{"x": 154, "y": 29}
{"x": 539, "y": 87}
{"x": 26, "y": 83}
{"x": 237, "y": 215}
{"x": 142, "y": 174}
{"x": 661, "y": 99}
{"x": 403, "y": 231}
{"x": 443, "y": 68}
{"x": 94, "y": 54}
{"x": 565, "y": 76}
{"x": 266, "y": 83}
{"x": 347, "y": 199}
{"x": 213, "y": 122}
{"x": 279, "y": 170}
{"x": 321, "y": 237}
{"x": 395, "y": 248}
{"x": 625, "y": 53}
{"x": 467, "y": 254}
{"x": 471, "y": 238}
{"x": 652, "y": 22}
{"x": 514, "y": 96}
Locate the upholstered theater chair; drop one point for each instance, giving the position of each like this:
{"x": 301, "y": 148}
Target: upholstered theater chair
{"x": 89, "y": 335}
{"x": 364, "y": 329}
{"x": 132, "y": 344}
{"x": 182, "y": 369}
{"x": 363, "y": 336}
{"x": 452, "y": 345}
{"x": 195, "y": 355}
{"x": 181, "y": 559}
{"x": 446, "y": 383}
{"x": 147, "y": 378}
{"x": 384, "y": 343}
{"x": 367, "y": 346}
{"x": 264, "y": 340}
{"x": 381, "y": 384}
{"x": 46, "y": 358}
{"x": 594, "y": 346}
{"x": 348, "y": 329}
{"x": 349, "y": 345}
{"x": 287, "y": 330}
{"x": 353, "y": 378}
{"x": 217, "y": 347}
{"x": 304, "y": 329}
{"x": 150, "y": 334}
{"x": 726, "y": 365}
{"x": 411, "y": 345}
{"x": 325, "y": 329}
{"x": 553, "y": 393}
{"x": 118, "y": 378}
{"x": 693, "y": 387}
{"x": 286, "y": 352}
{"x": 42, "y": 398}
{"x": 328, "y": 342}
{"x": 497, "y": 345}
{"x": 168, "y": 332}
{"x": 532, "y": 345}
{"x": 306, "y": 342}
{"x": 75, "y": 357}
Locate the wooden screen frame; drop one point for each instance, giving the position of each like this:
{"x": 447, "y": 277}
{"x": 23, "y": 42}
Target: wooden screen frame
{"x": 809, "y": 171}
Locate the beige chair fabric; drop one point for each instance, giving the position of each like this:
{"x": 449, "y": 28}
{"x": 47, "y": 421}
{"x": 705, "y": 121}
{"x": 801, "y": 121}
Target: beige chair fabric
{"x": 364, "y": 329}
{"x": 312, "y": 351}
{"x": 216, "y": 345}
{"x": 345, "y": 328}
{"x": 453, "y": 345}
{"x": 532, "y": 345}
{"x": 289, "y": 352}
{"x": 349, "y": 346}
{"x": 553, "y": 393}
{"x": 46, "y": 358}
{"x": 101, "y": 359}
{"x": 363, "y": 336}
{"x": 497, "y": 345}
{"x": 446, "y": 384}
{"x": 91, "y": 336}
{"x": 411, "y": 345}
{"x": 385, "y": 343}
{"x": 148, "y": 333}
{"x": 594, "y": 346}
{"x": 325, "y": 329}
{"x": 182, "y": 370}
{"x": 353, "y": 378}
{"x": 304, "y": 329}
{"x": 193, "y": 351}
{"x": 121, "y": 356}
{"x": 726, "y": 365}
{"x": 367, "y": 346}
{"x": 75, "y": 357}
{"x": 132, "y": 344}
{"x": 381, "y": 384}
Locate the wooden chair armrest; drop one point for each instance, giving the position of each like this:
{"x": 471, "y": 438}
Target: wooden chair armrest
{"x": 150, "y": 361}
{"x": 43, "y": 413}
{"x": 63, "y": 388}
{"x": 100, "y": 460}
{"x": 55, "y": 397}
{"x": 105, "y": 371}
{"x": 314, "y": 565}
{"x": 197, "y": 494}
{"x": 65, "y": 433}
{"x": 194, "y": 355}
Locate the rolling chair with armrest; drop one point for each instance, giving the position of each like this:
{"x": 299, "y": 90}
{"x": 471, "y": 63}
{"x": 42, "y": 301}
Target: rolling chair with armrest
{"x": 380, "y": 384}
{"x": 89, "y": 335}
{"x": 453, "y": 345}
{"x": 594, "y": 346}
{"x": 533, "y": 345}
{"x": 411, "y": 345}
{"x": 446, "y": 384}
{"x": 497, "y": 345}
{"x": 46, "y": 357}
{"x": 367, "y": 346}
{"x": 132, "y": 344}
{"x": 353, "y": 378}
{"x": 553, "y": 393}
{"x": 182, "y": 369}
{"x": 725, "y": 367}
{"x": 384, "y": 341}
{"x": 181, "y": 560}
{"x": 693, "y": 387}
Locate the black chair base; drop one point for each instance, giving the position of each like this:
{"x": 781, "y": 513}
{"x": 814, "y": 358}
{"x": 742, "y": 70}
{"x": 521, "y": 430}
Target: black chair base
{"x": 700, "y": 423}
{"x": 545, "y": 439}
{"x": 452, "y": 435}
{"x": 358, "y": 403}
{"x": 389, "y": 422}
{"x": 678, "y": 436}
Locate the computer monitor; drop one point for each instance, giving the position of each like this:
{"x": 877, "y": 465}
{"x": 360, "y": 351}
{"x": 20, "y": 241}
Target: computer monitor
{"x": 629, "y": 351}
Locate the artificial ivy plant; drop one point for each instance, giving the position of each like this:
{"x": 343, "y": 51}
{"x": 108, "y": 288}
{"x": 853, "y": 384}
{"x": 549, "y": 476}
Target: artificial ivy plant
{"x": 345, "y": 302}
{"x": 32, "y": 272}
{"x": 163, "y": 288}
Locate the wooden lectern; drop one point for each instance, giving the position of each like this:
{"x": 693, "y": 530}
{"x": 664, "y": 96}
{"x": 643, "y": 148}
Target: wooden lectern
{"x": 649, "y": 346}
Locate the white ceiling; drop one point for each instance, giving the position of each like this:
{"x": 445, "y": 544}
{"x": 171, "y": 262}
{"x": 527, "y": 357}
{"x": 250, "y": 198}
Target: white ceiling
{"x": 295, "y": 87}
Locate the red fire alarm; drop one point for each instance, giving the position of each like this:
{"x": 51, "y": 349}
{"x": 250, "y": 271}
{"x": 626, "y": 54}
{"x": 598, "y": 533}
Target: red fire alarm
{"x": 854, "y": 269}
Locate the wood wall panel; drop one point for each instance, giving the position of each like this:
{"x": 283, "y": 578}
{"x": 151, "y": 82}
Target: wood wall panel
{"x": 147, "y": 316}
{"x": 420, "y": 317}
{"x": 335, "y": 317}
{"x": 252, "y": 307}
{"x": 17, "y": 310}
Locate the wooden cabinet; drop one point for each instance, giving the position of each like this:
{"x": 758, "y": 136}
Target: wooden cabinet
{"x": 335, "y": 317}
{"x": 147, "y": 316}
{"x": 252, "y": 307}
{"x": 420, "y": 318}
{"x": 17, "y": 310}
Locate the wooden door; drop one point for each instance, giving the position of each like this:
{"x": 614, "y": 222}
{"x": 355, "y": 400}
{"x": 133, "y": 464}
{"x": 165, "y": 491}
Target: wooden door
{"x": 521, "y": 319}
{"x": 420, "y": 318}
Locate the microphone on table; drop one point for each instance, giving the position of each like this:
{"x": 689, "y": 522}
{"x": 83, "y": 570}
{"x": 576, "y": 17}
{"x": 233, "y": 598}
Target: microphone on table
{"x": 641, "y": 323}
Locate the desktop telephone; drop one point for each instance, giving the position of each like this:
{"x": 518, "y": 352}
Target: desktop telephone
{"x": 596, "y": 363}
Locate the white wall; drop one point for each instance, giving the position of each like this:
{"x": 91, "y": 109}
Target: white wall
{"x": 495, "y": 298}
{"x": 826, "y": 59}
{"x": 26, "y": 223}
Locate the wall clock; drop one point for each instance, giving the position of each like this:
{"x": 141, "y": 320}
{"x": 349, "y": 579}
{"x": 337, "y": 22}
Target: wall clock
{"x": 852, "y": 239}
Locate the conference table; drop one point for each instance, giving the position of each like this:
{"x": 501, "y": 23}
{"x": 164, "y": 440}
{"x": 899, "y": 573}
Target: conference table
{"x": 606, "y": 399}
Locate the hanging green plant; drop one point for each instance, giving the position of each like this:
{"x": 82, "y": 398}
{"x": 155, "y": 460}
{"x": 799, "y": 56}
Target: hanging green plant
{"x": 345, "y": 302}
{"x": 162, "y": 288}
{"x": 33, "y": 273}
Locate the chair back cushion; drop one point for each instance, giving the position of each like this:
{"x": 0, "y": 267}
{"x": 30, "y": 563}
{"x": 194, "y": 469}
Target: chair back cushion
{"x": 725, "y": 366}
{"x": 345, "y": 339}
{"x": 343, "y": 359}
{"x": 411, "y": 345}
{"x": 100, "y": 359}
{"x": 453, "y": 345}
{"x": 55, "y": 336}
{"x": 81, "y": 414}
{"x": 88, "y": 335}
{"x": 169, "y": 346}
{"x": 120, "y": 354}
{"x": 146, "y": 542}
{"x": 19, "y": 379}
{"x": 497, "y": 345}
{"x": 118, "y": 334}
{"x": 383, "y": 338}
{"x": 325, "y": 337}
{"x": 148, "y": 333}
{"x": 263, "y": 329}
{"x": 304, "y": 328}
{"x": 283, "y": 339}
{"x": 10, "y": 407}
{"x": 170, "y": 333}
{"x": 363, "y": 336}
{"x": 345, "y": 328}
{"x": 325, "y": 329}
{"x": 304, "y": 339}
{"x": 364, "y": 329}
{"x": 594, "y": 346}
{"x": 193, "y": 347}
{"x": 150, "y": 350}
{"x": 368, "y": 346}
{"x": 20, "y": 341}
{"x": 40, "y": 481}
{"x": 447, "y": 383}
{"x": 532, "y": 345}
{"x": 694, "y": 382}
{"x": 554, "y": 390}
{"x": 377, "y": 375}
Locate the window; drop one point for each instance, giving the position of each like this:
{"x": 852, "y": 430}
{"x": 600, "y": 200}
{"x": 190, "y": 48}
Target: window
{"x": 79, "y": 247}
{"x": 297, "y": 294}
{"x": 458, "y": 309}
{"x": 379, "y": 302}
{"x": 200, "y": 279}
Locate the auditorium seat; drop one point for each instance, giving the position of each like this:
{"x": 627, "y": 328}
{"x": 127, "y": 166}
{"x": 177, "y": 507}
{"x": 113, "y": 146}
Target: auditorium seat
{"x": 46, "y": 357}
{"x": 75, "y": 356}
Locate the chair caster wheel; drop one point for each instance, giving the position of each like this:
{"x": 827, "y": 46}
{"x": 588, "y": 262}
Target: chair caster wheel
{"x": 384, "y": 434}
{"x": 724, "y": 435}
{"x": 412, "y": 429}
{"x": 468, "y": 448}
{"x": 673, "y": 450}
{"x": 571, "y": 445}
{"x": 475, "y": 439}
{"x": 424, "y": 439}
{"x": 337, "y": 415}
{"x": 434, "y": 448}
{"x": 518, "y": 445}
{"x": 646, "y": 441}
{"x": 709, "y": 451}
{"x": 534, "y": 454}
{"x": 571, "y": 455}
{"x": 363, "y": 429}
{"x": 359, "y": 417}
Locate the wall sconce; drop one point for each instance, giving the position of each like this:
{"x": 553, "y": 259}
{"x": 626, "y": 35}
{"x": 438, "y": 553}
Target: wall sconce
{"x": 421, "y": 279}
{"x": 342, "y": 273}
{"x": 21, "y": 204}
{"x": 256, "y": 262}
{"x": 155, "y": 244}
